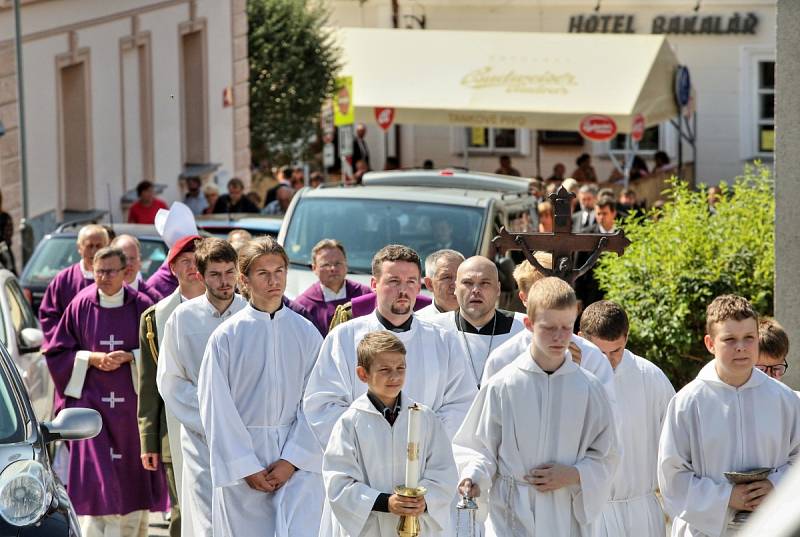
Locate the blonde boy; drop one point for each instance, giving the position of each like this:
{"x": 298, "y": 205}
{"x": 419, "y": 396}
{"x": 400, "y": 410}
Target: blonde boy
{"x": 732, "y": 417}
{"x": 366, "y": 456}
{"x": 540, "y": 436}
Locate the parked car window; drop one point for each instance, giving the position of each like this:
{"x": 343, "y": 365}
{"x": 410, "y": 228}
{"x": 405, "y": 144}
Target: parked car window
{"x": 59, "y": 253}
{"x": 365, "y": 226}
{"x": 10, "y": 422}
{"x": 21, "y": 312}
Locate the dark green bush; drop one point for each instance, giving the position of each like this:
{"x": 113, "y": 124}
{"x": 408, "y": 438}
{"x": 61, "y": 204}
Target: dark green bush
{"x": 682, "y": 256}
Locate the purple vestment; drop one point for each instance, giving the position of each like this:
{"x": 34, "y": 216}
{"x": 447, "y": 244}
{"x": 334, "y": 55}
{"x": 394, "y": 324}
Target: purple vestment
{"x": 149, "y": 291}
{"x": 322, "y": 312}
{"x": 106, "y": 476}
{"x": 59, "y": 293}
{"x": 365, "y": 304}
{"x": 162, "y": 283}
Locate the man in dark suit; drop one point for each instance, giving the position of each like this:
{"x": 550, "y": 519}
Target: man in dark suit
{"x": 360, "y": 149}
{"x": 583, "y": 221}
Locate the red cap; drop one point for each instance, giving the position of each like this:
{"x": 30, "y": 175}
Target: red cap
{"x": 184, "y": 244}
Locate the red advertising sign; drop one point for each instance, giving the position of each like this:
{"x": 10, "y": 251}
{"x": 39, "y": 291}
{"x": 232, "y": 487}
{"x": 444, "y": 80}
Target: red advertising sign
{"x": 598, "y": 128}
{"x": 637, "y": 130}
{"x": 384, "y": 117}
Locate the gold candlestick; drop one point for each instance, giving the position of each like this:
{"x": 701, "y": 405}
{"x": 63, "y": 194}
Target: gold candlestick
{"x": 409, "y": 524}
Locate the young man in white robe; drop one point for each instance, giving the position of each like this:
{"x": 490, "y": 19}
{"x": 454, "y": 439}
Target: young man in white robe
{"x": 440, "y": 279}
{"x": 477, "y": 325}
{"x": 583, "y": 352}
{"x": 185, "y": 337}
{"x": 731, "y": 418}
{"x": 643, "y": 393}
{"x": 366, "y": 455}
{"x": 540, "y": 437}
{"x": 436, "y": 374}
{"x": 265, "y": 462}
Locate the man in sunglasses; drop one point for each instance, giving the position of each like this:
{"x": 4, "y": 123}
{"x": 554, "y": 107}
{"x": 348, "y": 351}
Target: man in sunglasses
{"x": 773, "y": 347}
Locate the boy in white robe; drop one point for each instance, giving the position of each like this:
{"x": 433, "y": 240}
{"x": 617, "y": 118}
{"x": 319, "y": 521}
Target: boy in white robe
{"x": 264, "y": 459}
{"x": 540, "y": 436}
{"x": 732, "y": 417}
{"x": 366, "y": 455}
{"x": 643, "y": 393}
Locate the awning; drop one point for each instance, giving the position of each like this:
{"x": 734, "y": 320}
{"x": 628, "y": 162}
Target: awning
{"x": 546, "y": 81}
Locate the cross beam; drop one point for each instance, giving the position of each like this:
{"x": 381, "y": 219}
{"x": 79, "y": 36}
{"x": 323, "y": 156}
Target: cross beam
{"x": 562, "y": 243}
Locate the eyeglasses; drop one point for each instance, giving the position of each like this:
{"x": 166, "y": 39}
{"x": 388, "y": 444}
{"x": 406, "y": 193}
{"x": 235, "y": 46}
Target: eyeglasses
{"x": 107, "y": 273}
{"x": 774, "y": 370}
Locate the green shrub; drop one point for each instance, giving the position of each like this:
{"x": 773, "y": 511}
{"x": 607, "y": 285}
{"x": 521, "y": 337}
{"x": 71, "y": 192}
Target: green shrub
{"x": 682, "y": 256}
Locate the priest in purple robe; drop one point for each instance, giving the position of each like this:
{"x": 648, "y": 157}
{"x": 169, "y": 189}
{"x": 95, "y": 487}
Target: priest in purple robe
{"x": 91, "y": 358}
{"x": 329, "y": 263}
{"x": 162, "y": 283}
{"x": 133, "y": 269}
{"x": 63, "y": 288}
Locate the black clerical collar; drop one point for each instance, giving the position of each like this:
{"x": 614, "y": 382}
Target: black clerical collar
{"x": 271, "y": 314}
{"x": 405, "y": 327}
{"x": 388, "y": 412}
{"x": 438, "y": 309}
{"x": 502, "y": 323}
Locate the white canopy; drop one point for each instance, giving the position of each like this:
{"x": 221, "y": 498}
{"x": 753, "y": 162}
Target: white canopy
{"x": 546, "y": 81}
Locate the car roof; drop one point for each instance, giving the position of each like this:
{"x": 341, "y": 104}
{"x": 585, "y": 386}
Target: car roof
{"x": 240, "y": 221}
{"x": 140, "y": 231}
{"x": 432, "y": 186}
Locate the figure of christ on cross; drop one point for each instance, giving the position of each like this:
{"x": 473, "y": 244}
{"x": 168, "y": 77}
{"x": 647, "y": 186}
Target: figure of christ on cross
{"x": 562, "y": 243}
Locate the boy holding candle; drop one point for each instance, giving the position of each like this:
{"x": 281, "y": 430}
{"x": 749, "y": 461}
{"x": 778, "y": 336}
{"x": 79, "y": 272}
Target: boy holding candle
{"x": 366, "y": 457}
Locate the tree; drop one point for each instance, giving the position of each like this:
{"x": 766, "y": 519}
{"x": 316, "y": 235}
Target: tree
{"x": 293, "y": 66}
{"x": 683, "y": 256}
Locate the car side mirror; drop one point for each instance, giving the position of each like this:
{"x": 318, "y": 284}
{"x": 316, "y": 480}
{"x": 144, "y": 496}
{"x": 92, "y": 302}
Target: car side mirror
{"x": 30, "y": 340}
{"x": 73, "y": 424}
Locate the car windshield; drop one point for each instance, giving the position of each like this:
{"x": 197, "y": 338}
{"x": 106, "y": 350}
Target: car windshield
{"x": 60, "y": 252}
{"x": 365, "y": 226}
{"x": 11, "y": 429}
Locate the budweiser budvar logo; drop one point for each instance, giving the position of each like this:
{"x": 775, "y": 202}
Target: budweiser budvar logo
{"x": 598, "y": 128}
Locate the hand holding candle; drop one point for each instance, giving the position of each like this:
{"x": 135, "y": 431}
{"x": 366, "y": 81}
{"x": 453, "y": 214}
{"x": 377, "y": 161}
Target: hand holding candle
{"x": 412, "y": 462}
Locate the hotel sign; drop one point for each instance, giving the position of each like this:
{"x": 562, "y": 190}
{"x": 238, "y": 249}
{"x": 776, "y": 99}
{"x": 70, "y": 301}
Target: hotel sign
{"x": 733, "y": 24}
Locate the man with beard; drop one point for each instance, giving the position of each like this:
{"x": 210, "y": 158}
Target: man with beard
{"x": 440, "y": 279}
{"x": 154, "y": 422}
{"x": 185, "y": 336}
{"x": 477, "y": 324}
{"x": 436, "y": 372}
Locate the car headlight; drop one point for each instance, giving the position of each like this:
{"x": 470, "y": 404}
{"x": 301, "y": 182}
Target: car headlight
{"x": 24, "y": 493}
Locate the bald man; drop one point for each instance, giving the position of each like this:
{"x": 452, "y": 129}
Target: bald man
{"x": 133, "y": 275}
{"x": 478, "y": 324}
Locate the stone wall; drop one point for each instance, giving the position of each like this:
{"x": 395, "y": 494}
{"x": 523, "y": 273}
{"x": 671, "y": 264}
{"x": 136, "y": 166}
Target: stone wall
{"x": 10, "y": 171}
{"x": 241, "y": 92}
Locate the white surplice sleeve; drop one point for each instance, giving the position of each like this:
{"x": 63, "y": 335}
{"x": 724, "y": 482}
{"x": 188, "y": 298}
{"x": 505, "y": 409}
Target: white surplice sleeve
{"x": 439, "y": 476}
{"x": 792, "y": 427}
{"x": 700, "y": 501}
{"x": 329, "y": 391}
{"x": 301, "y": 447}
{"x": 476, "y": 443}
{"x": 233, "y": 455}
{"x": 177, "y": 391}
{"x": 350, "y": 498}
{"x": 599, "y": 463}
{"x": 459, "y": 390}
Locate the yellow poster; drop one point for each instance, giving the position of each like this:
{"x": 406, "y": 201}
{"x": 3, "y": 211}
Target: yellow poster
{"x": 343, "y": 109}
{"x": 768, "y": 140}
{"x": 478, "y": 137}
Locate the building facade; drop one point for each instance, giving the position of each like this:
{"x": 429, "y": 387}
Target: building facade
{"x": 728, "y": 46}
{"x": 119, "y": 92}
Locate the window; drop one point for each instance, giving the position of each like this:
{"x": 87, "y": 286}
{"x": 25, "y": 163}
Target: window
{"x": 757, "y": 100}
{"x": 650, "y": 142}
{"x": 21, "y": 313}
{"x": 765, "y": 107}
{"x": 491, "y": 140}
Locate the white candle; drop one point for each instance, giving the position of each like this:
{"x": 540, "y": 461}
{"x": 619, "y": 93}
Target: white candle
{"x": 412, "y": 462}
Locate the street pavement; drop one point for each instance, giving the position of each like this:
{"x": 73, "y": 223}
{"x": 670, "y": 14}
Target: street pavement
{"x": 158, "y": 526}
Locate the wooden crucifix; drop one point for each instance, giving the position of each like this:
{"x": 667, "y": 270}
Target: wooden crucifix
{"x": 563, "y": 244}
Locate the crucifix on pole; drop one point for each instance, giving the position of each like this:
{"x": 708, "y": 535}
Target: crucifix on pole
{"x": 562, "y": 243}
